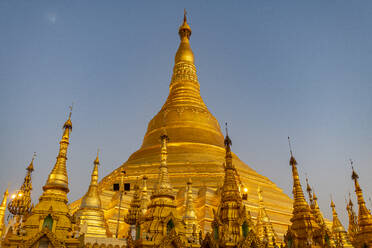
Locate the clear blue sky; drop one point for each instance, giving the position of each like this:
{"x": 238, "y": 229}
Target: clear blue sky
{"x": 269, "y": 68}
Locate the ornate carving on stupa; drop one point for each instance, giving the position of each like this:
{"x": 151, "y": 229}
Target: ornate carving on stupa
{"x": 339, "y": 234}
{"x": 363, "y": 237}
{"x": 231, "y": 225}
{"x": 90, "y": 216}
{"x": 264, "y": 228}
{"x": 161, "y": 216}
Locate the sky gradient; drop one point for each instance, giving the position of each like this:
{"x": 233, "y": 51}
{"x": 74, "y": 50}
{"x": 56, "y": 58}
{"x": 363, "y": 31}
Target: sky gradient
{"x": 271, "y": 69}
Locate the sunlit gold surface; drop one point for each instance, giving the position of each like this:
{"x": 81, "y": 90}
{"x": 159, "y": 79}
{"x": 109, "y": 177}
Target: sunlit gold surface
{"x": 196, "y": 151}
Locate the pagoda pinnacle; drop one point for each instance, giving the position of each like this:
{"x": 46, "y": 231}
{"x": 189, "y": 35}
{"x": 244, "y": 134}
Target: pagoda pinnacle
{"x": 58, "y": 178}
{"x": 164, "y": 183}
{"x": 298, "y": 194}
{"x": 20, "y": 203}
{"x": 337, "y": 226}
{"x": 91, "y": 198}
{"x": 184, "y": 52}
{"x": 2, "y": 211}
{"x": 364, "y": 235}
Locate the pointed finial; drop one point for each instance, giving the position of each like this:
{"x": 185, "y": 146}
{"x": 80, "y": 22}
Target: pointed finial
{"x": 71, "y": 107}
{"x": 227, "y": 142}
{"x": 184, "y": 15}
{"x": 97, "y": 158}
{"x": 68, "y": 124}
{"x": 290, "y": 146}
{"x": 292, "y": 161}
{"x": 30, "y": 168}
{"x": 354, "y": 175}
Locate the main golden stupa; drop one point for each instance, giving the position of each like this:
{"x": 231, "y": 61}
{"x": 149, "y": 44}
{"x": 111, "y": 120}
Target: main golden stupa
{"x": 196, "y": 150}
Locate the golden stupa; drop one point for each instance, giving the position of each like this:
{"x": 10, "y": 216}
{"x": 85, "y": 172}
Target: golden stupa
{"x": 196, "y": 151}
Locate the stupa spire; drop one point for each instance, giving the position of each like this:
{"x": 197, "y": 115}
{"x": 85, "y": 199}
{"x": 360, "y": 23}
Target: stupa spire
{"x": 164, "y": 185}
{"x": 364, "y": 234}
{"x": 184, "y": 52}
{"x": 298, "y": 194}
{"x": 2, "y": 212}
{"x": 339, "y": 234}
{"x": 184, "y": 116}
{"x": 304, "y": 225}
{"x": 231, "y": 213}
{"x": 90, "y": 213}
{"x": 20, "y": 203}
{"x": 264, "y": 228}
{"x": 91, "y": 199}
{"x": 144, "y": 196}
{"x": 58, "y": 179}
{"x": 189, "y": 218}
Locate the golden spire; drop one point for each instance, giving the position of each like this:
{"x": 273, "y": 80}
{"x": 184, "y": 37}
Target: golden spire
{"x": 184, "y": 52}
{"x": 91, "y": 199}
{"x": 364, "y": 235}
{"x": 184, "y": 116}
{"x": 309, "y": 192}
{"x": 2, "y": 212}
{"x": 161, "y": 213}
{"x": 134, "y": 212}
{"x": 336, "y": 226}
{"x": 317, "y": 213}
{"x": 164, "y": 185}
{"x": 339, "y": 234}
{"x": 353, "y": 222}
{"x": 264, "y": 228}
{"x": 363, "y": 211}
{"x": 144, "y": 196}
{"x": 189, "y": 218}
{"x": 299, "y": 198}
{"x": 20, "y": 203}
{"x": 231, "y": 214}
{"x": 90, "y": 214}
{"x": 304, "y": 228}
{"x": 58, "y": 179}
